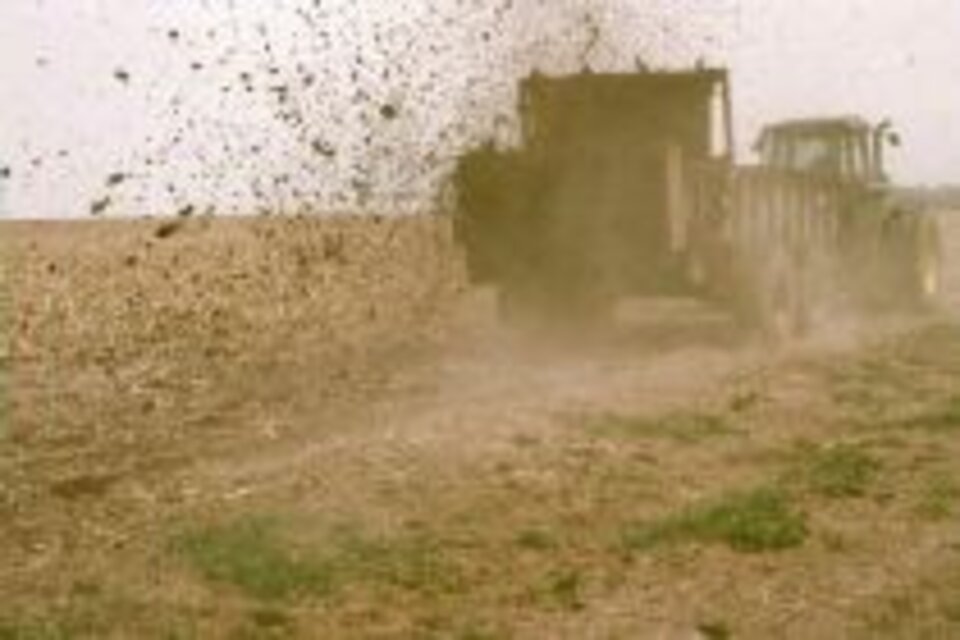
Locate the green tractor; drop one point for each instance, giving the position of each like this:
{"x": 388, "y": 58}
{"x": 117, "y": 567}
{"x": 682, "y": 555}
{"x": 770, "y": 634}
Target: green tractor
{"x": 887, "y": 250}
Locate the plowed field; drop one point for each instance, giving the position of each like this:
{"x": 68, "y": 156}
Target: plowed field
{"x": 306, "y": 429}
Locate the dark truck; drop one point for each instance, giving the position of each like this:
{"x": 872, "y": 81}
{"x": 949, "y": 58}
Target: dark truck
{"x": 625, "y": 185}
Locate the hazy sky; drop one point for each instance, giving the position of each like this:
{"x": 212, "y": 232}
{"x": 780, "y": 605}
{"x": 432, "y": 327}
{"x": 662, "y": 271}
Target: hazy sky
{"x": 882, "y": 58}
{"x": 147, "y": 106}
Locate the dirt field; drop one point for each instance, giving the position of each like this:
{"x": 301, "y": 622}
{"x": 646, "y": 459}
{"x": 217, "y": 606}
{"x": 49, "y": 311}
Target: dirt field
{"x": 673, "y": 479}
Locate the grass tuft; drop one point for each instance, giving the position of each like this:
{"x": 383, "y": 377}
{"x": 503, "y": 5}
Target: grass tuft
{"x": 755, "y": 521}
{"x": 714, "y": 631}
{"x": 476, "y": 631}
{"x": 269, "y": 618}
{"x": 414, "y": 563}
{"x": 940, "y": 497}
{"x": 840, "y": 471}
{"x": 561, "y": 589}
{"x": 535, "y": 540}
{"x": 17, "y": 631}
{"x": 251, "y": 555}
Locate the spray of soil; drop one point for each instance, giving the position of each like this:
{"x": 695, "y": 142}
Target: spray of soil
{"x": 344, "y": 106}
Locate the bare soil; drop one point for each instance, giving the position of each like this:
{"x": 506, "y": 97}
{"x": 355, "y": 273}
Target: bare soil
{"x": 477, "y": 483}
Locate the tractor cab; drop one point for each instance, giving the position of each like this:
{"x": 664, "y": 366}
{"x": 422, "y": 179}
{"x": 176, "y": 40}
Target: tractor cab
{"x": 849, "y": 149}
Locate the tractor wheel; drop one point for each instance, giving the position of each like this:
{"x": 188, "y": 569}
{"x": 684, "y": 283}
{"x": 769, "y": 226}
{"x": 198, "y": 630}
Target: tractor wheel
{"x": 909, "y": 266}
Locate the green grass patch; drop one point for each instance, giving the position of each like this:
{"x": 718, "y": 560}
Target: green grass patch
{"x": 685, "y": 428}
{"x": 838, "y": 471}
{"x": 32, "y": 631}
{"x": 560, "y": 589}
{"x": 714, "y": 631}
{"x": 271, "y": 618}
{"x": 535, "y": 540}
{"x": 410, "y": 562}
{"x": 940, "y": 495}
{"x": 253, "y": 555}
{"x": 480, "y": 631}
{"x": 754, "y": 521}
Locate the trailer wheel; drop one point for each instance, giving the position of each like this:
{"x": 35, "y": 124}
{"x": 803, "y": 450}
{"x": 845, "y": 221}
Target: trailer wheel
{"x": 909, "y": 263}
{"x": 777, "y": 304}
{"x": 780, "y": 315}
{"x": 926, "y": 264}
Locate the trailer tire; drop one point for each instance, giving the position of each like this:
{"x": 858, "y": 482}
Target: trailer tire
{"x": 776, "y": 304}
{"x": 925, "y": 269}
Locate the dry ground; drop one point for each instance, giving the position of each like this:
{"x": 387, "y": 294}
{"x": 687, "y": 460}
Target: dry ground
{"x": 670, "y": 480}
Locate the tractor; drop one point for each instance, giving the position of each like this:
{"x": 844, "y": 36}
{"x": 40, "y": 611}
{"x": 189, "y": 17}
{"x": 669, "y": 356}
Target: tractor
{"x": 625, "y": 185}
